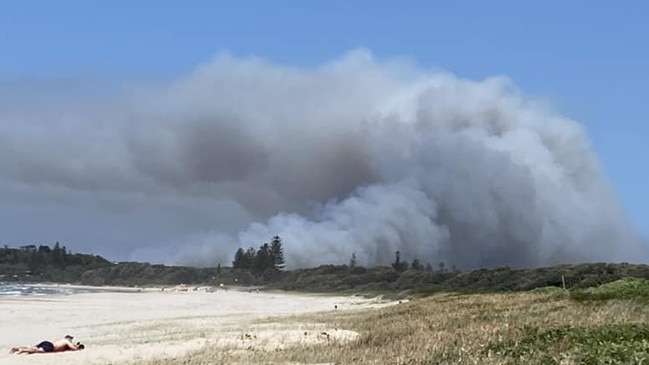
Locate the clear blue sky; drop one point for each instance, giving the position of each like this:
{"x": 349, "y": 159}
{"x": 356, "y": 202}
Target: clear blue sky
{"x": 590, "y": 58}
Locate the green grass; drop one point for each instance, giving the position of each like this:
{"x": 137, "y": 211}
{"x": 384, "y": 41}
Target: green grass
{"x": 605, "y": 344}
{"x": 626, "y": 288}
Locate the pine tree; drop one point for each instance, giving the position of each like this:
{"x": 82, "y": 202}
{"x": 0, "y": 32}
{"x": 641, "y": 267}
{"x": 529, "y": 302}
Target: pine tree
{"x": 238, "y": 259}
{"x": 277, "y": 253}
{"x": 57, "y": 255}
{"x": 263, "y": 259}
{"x": 399, "y": 265}
{"x": 416, "y": 265}
{"x": 352, "y": 262}
{"x": 442, "y": 267}
{"x": 248, "y": 258}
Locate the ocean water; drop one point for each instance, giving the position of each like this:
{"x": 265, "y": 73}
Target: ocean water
{"x": 19, "y": 290}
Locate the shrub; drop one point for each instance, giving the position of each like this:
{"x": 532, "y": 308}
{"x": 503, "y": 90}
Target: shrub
{"x": 626, "y": 288}
{"x": 610, "y": 344}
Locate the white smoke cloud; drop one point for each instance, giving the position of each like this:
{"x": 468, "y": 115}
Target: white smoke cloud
{"x": 357, "y": 156}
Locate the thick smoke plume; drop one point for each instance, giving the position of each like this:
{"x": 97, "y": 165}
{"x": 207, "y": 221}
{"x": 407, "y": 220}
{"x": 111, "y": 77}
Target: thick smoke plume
{"x": 357, "y": 156}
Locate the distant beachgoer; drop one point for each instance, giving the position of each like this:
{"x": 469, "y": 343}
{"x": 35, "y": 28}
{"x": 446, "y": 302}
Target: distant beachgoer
{"x": 64, "y": 344}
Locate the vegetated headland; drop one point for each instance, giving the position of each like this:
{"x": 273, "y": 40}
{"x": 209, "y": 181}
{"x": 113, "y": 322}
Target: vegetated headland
{"x": 37, "y": 264}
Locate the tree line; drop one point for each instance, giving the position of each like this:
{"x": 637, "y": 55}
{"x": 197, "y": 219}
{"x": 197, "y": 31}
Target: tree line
{"x": 416, "y": 265}
{"x": 265, "y": 266}
{"x": 43, "y": 256}
{"x": 269, "y": 256}
{"x": 45, "y": 263}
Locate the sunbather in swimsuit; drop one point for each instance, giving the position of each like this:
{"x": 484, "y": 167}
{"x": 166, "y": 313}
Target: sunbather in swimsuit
{"x": 64, "y": 344}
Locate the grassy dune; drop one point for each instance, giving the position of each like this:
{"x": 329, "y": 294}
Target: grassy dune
{"x": 541, "y": 327}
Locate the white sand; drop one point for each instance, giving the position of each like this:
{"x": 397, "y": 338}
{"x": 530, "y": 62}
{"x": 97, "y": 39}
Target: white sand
{"x": 118, "y": 327}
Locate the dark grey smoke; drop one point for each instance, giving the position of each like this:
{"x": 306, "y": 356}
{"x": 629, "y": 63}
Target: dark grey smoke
{"x": 357, "y": 156}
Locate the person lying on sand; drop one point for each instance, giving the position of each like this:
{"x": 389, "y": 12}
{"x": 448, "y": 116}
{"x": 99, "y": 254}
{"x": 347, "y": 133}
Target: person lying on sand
{"x": 64, "y": 344}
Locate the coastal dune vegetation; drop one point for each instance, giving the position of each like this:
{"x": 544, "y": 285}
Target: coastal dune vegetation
{"x": 608, "y": 324}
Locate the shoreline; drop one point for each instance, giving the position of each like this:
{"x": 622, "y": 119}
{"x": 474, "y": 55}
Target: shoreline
{"x": 76, "y": 286}
{"x": 118, "y": 327}
{"x": 124, "y": 289}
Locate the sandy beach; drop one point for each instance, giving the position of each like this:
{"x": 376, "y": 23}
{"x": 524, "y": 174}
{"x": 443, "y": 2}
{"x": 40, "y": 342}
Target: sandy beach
{"x": 126, "y": 326}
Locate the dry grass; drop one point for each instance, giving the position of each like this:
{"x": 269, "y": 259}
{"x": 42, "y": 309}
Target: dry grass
{"x": 444, "y": 329}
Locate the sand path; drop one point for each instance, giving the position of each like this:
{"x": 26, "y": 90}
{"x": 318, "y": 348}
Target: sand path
{"x": 118, "y": 327}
